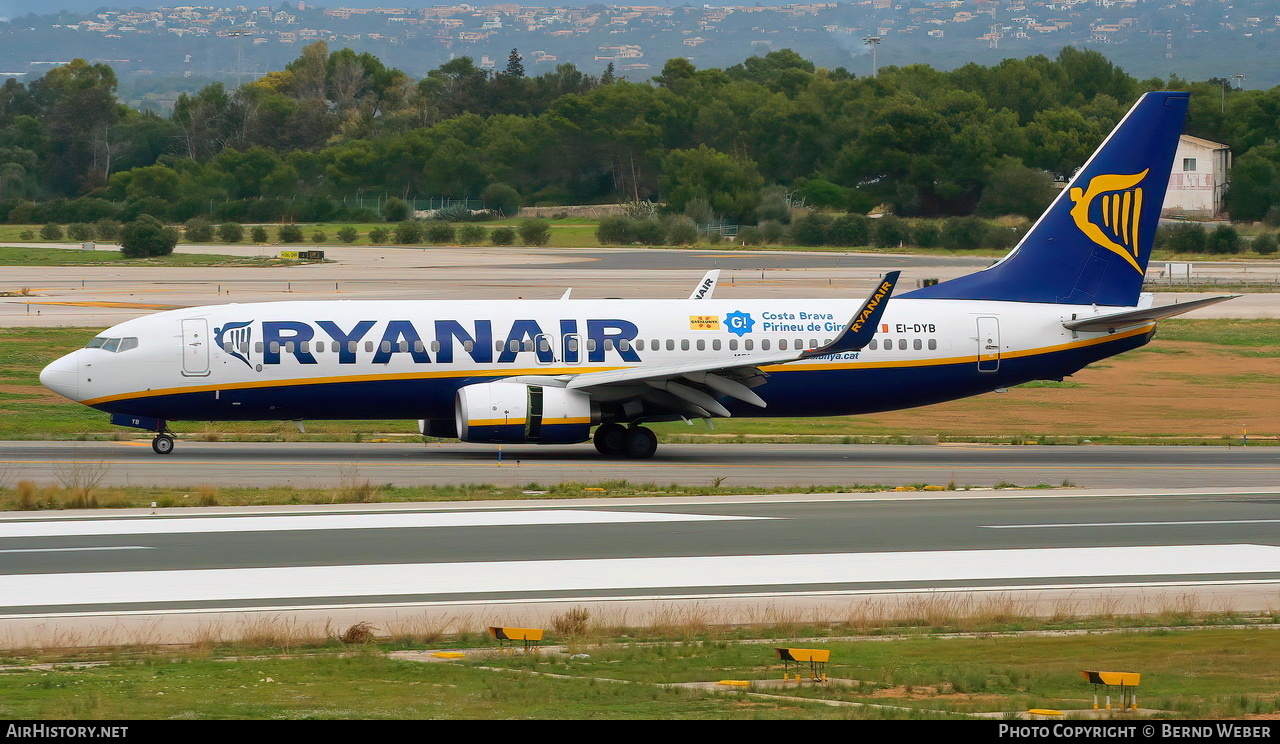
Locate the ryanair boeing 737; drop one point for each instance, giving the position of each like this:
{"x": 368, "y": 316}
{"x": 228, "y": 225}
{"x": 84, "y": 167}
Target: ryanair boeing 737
{"x": 548, "y": 372}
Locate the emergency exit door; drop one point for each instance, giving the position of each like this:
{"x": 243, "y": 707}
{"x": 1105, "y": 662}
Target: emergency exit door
{"x": 988, "y": 344}
{"x": 195, "y": 347}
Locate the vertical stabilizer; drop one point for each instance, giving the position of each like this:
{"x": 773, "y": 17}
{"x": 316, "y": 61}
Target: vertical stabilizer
{"x": 1091, "y": 245}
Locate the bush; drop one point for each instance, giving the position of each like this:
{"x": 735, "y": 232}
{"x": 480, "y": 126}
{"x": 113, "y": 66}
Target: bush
{"x": 849, "y": 230}
{"x": 51, "y": 232}
{"x": 998, "y": 237}
{"x": 27, "y": 235}
{"x": 1264, "y": 244}
{"x": 501, "y": 197}
{"x": 348, "y": 234}
{"x": 290, "y": 234}
{"x": 773, "y": 231}
{"x": 890, "y": 232}
{"x": 1272, "y": 217}
{"x": 198, "y": 231}
{"x": 378, "y": 235}
{"x": 811, "y": 229}
{"x": 774, "y": 204}
{"x": 470, "y": 234}
{"x": 1224, "y": 239}
{"x": 107, "y": 229}
{"x": 681, "y": 230}
{"x": 22, "y": 213}
{"x": 926, "y": 234}
{"x": 502, "y": 236}
{"x": 230, "y": 232}
{"x": 963, "y": 233}
{"x": 147, "y": 236}
{"x": 80, "y": 231}
{"x": 395, "y": 210}
{"x": 258, "y": 234}
{"x": 648, "y": 231}
{"x": 319, "y": 236}
{"x": 439, "y": 233}
{"x": 535, "y": 232}
{"x": 750, "y": 236}
{"x": 1187, "y": 237}
{"x": 614, "y": 231}
{"x": 408, "y": 232}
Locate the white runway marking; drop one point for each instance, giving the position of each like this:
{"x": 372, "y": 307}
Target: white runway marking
{"x": 74, "y": 550}
{"x": 184, "y": 525}
{"x": 1126, "y": 524}
{"x": 207, "y": 585}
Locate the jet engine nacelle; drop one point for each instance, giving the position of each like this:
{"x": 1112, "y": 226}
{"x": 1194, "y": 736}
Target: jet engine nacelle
{"x": 518, "y": 413}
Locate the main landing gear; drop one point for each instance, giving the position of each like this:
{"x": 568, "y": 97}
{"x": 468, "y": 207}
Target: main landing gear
{"x": 616, "y": 440}
{"x": 162, "y": 444}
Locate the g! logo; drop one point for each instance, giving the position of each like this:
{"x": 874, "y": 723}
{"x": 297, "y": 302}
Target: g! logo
{"x": 739, "y": 323}
{"x": 1119, "y": 210}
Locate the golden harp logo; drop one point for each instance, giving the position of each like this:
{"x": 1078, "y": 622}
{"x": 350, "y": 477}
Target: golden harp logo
{"x": 1120, "y": 207}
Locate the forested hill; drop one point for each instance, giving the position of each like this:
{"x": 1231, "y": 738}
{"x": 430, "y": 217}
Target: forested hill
{"x": 341, "y": 124}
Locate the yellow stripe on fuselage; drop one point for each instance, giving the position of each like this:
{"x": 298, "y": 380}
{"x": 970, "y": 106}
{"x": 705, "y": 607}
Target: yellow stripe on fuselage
{"x": 550, "y": 371}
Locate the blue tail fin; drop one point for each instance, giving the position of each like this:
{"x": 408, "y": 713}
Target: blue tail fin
{"x": 1091, "y": 245}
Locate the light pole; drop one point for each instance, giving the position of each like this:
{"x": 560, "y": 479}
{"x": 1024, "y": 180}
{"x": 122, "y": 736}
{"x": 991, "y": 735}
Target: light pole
{"x": 1237, "y": 82}
{"x": 874, "y": 43}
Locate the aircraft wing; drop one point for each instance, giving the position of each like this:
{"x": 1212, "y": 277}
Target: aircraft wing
{"x": 1142, "y": 315}
{"x": 691, "y": 387}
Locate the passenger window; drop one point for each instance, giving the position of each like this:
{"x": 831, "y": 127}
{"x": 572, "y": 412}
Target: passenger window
{"x": 435, "y": 346}
{"x": 764, "y": 344}
{"x": 466, "y": 345}
{"x": 275, "y": 347}
{"x": 544, "y": 345}
{"x": 873, "y": 345}
{"x": 527, "y": 345}
{"x": 385, "y": 346}
{"x": 497, "y": 346}
{"x": 623, "y": 344}
{"x": 368, "y": 346}
{"x": 257, "y": 348}
{"x": 782, "y": 344}
{"x": 591, "y": 345}
{"x": 684, "y": 344}
{"x": 513, "y": 345}
{"x": 813, "y": 343}
{"x": 128, "y": 343}
{"x": 933, "y": 344}
{"x": 715, "y": 344}
{"x": 702, "y": 344}
{"x": 902, "y": 344}
{"x": 418, "y": 347}
{"x": 733, "y": 344}
{"x": 917, "y": 344}
{"x": 608, "y": 344}
{"x": 572, "y": 344}
{"x": 799, "y": 344}
{"x": 352, "y": 346}
{"x": 304, "y": 346}
{"x": 671, "y": 344}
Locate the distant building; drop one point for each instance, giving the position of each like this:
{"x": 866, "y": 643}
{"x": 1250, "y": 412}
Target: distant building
{"x": 1198, "y": 182}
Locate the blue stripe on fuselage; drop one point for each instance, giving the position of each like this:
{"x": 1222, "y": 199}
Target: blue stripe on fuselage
{"x": 813, "y": 392}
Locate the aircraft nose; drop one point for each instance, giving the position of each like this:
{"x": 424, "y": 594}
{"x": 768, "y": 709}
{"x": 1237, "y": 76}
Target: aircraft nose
{"x": 63, "y": 376}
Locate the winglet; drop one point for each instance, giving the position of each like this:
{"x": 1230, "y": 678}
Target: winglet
{"x": 707, "y": 286}
{"x": 862, "y": 326}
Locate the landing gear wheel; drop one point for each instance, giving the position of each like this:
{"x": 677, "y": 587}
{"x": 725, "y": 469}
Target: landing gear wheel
{"x": 640, "y": 443}
{"x": 162, "y": 444}
{"x": 609, "y": 439}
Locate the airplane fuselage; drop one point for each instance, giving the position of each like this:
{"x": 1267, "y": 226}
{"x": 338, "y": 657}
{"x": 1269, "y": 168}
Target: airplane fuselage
{"x": 407, "y": 359}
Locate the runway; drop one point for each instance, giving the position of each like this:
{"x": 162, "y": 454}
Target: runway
{"x": 775, "y": 548}
{"x": 325, "y": 464}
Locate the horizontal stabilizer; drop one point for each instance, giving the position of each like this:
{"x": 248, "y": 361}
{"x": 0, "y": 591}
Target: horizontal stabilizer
{"x": 1142, "y": 315}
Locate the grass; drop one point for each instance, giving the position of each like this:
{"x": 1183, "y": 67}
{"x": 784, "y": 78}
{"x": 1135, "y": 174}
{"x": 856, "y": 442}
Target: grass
{"x": 31, "y": 256}
{"x": 904, "y": 653}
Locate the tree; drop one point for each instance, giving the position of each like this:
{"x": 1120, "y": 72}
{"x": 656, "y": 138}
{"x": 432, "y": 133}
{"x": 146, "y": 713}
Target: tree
{"x": 501, "y": 197}
{"x": 890, "y": 232}
{"x": 614, "y": 231}
{"x": 535, "y": 232}
{"x": 146, "y": 237}
{"x": 1224, "y": 239}
{"x": 198, "y": 230}
{"x": 811, "y": 229}
{"x": 395, "y": 210}
{"x": 348, "y": 234}
{"x": 1265, "y": 244}
{"x": 850, "y": 230}
{"x": 963, "y": 233}
{"x": 258, "y": 233}
{"x": 319, "y": 236}
{"x": 607, "y": 78}
{"x": 515, "y": 65}
{"x": 681, "y": 230}
{"x": 731, "y": 186}
{"x": 1186, "y": 237}
{"x": 80, "y": 231}
{"x": 1014, "y": 188}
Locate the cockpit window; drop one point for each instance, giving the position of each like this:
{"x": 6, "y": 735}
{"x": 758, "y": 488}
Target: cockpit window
{"x": 113, "y": 344}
